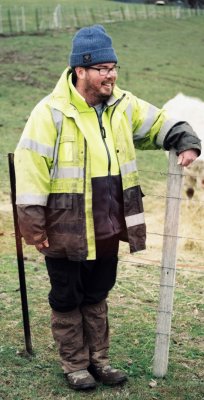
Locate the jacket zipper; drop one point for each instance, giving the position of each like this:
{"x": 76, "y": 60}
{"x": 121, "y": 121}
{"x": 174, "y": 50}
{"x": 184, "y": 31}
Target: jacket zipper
{"x": 115, "y": 105}
{"x": 85, "y": 167}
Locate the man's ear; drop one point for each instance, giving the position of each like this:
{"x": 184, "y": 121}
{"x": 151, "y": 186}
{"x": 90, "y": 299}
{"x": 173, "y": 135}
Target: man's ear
{"x": 80, "y": 71}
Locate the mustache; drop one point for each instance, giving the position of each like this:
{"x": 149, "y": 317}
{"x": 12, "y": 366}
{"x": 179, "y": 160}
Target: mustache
{"x": 108, "y": 81}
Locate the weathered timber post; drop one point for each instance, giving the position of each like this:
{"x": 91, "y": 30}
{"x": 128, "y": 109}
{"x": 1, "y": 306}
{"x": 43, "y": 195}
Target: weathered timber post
{"x": 10, "y": 21}
{"x": 168, "y": 266}
{"x": 37, "y": 20}
{"x": 23, "y": 19}
{"x": 1, "y": 21}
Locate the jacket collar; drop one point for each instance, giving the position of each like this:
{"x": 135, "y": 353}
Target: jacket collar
{"x": 68, "y": 100}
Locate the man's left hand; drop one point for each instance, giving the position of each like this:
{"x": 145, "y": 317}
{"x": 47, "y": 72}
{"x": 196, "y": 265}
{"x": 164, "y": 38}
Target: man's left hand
{"x": 186, "y": 157}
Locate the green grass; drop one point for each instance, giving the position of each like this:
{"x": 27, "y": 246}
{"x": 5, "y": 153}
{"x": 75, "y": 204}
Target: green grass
{"x": 158, "y": 59}
{"x": 157, "y": 62}
{"x": 132, "y": 305}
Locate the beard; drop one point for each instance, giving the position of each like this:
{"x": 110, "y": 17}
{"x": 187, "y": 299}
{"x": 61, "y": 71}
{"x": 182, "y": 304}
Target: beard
{"x": 103, "y": 97}
{"x": 99, "y": 93}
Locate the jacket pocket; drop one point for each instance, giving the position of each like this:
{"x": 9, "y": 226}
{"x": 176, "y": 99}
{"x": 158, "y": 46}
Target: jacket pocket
{"x": 60, "y": 201}
{"x": 67, "y": 148}
{"x": 133, "y": 201}
{"x": 65, "y": 225}
{"x": 63, "y": 210}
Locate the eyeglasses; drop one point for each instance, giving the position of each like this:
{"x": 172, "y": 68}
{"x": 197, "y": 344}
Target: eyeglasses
{"x": 105, "y": 71}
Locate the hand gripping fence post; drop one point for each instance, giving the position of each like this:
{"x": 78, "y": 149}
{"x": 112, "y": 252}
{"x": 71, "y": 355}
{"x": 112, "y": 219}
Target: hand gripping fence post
{"x": 20, "y": 260}
{"x": 168, "y": 267}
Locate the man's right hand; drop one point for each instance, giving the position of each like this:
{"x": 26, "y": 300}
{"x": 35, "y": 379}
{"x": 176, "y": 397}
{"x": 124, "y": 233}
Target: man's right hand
{"x": 42, "y": 245}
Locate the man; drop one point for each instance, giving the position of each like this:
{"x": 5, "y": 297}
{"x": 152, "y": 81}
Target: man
{"x": 78, "y": 194}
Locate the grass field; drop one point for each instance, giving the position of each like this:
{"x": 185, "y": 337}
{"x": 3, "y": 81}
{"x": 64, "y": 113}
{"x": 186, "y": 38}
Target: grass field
{"x": 158, "y": 59}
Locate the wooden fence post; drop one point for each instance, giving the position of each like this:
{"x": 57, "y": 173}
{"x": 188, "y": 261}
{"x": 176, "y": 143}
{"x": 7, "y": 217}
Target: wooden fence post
{"x": 17, "y": 19}
{"x": 76, "y": 16}
{"x": 37, "y": 20}
{"x": 93, "y": 17}
{"x": 1, "y": 21}
{"x": 23, "y": 19}
{"x": 123, "y": 13}
{"x": 168, "y": 267}
{"x": 10, "y": 21}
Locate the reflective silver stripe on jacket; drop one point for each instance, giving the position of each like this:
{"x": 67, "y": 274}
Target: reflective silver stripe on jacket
{"x": 42, "y": 149}
{"x": 68, "y": 172}
{"x": 149, "y": 120}
{"x": 128, "y": 167}
{"x": 57, "y": 119}
{"x": 164, "y": 130}
{"x": 31, "y": 199}
{"x": 129, "y": 114}
{"x": 136, "y": 219}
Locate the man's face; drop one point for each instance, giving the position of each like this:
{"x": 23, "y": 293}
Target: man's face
{"x": 98, "y": 81}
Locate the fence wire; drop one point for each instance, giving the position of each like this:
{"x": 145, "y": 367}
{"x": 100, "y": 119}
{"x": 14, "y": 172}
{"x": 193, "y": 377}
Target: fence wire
{"x": 28, "y": 20}
{"x": 153, "y": 234}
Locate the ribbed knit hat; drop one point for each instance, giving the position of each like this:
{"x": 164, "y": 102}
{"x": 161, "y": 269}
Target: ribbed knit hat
{"x": 91, "y": 45}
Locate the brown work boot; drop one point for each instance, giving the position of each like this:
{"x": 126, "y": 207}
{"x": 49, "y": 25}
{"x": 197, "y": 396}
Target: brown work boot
{"x": 107, "y": 375}
{"x": 81, "y": 380}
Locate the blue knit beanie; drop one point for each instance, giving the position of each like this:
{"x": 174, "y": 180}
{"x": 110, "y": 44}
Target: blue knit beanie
{"x": 91, "y": 45}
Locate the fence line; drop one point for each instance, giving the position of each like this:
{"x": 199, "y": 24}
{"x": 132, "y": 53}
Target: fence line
{"x": 161, "y": 173}
{"x": 21, "y": 20}
{"x": 148, "y": 233}
{"x": 5, "y": 186}
{"x": 141, "y": 262}
{"x": 152, "y": 233}
{"x": 168, "y": 265}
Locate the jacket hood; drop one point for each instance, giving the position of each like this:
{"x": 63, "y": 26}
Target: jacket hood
{"x": 61, "y": 96}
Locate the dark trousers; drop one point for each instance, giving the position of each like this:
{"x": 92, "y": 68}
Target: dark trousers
{"x": 75, "y": 284}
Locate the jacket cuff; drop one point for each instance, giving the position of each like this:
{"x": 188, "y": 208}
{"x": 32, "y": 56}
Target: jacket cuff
{"x": 182, "y": 137}
{"x": 31, "y": 221}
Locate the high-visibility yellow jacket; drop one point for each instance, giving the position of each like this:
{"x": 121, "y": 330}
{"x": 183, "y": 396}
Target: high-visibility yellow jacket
{"x": 62, "y": 187}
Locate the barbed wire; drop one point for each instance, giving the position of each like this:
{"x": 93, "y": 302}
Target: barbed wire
{"x": 157, "y": 264}
{"x": 175, "y": 236}
{"x": 6, "y": 187}
{"x": 12, "y": 234}
{"x": 183, "y": 199}
{"x": 162, "y": 173}
{"x": 167, "y": 173}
